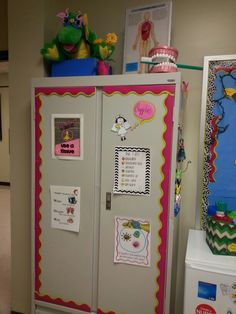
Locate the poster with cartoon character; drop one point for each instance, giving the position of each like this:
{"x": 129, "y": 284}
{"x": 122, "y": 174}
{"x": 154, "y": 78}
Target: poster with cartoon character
{"x": 65, "y": 207}
{"x": 67, "y": 136}
{"x": 132, "y": 241}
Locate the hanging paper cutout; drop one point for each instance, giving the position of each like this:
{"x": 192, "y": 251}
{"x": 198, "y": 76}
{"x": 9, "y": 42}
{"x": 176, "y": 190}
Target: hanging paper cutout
{"x": 181, "y": 156}
{"x": 132, "y": 241}
{"x": 121, "y": 127}
{"x": 177, "y": 203}
{"x": 132, "y": 170}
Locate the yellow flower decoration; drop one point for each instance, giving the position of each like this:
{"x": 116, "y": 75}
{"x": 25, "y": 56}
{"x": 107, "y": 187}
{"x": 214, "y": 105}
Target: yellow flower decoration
{"x": 111, "y": 38}
{"x": 97, "y": 41}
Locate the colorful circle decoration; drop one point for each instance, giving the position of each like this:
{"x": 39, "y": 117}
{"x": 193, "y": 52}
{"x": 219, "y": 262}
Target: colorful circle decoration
{"x": 137, "y": 234}
{"x": 132, "y": 243}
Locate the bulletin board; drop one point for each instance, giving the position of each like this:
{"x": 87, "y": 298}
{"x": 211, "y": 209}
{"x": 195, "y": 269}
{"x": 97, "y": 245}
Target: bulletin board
{"x": 217, "y": 151}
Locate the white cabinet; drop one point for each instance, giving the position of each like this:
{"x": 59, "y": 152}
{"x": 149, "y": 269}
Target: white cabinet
{"x": 210, "y": 280}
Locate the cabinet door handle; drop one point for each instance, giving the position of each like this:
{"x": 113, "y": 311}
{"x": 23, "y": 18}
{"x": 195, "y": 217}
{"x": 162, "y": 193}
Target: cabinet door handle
{"x": 108, "y": 200}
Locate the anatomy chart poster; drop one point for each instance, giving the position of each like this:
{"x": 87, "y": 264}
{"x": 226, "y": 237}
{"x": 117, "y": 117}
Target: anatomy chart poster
{"x": 145, "y": 28}
{"x": 67, "y": 136}
{"x": 65, "y": 207}
{"x": 132, "y": 170}
{"x": 132, "y": 241}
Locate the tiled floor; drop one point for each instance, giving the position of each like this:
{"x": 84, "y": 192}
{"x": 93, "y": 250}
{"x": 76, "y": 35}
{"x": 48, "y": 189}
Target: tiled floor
{"x": 5, "y": 251}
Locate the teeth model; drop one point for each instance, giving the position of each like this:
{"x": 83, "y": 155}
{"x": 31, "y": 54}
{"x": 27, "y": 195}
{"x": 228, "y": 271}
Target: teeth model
{"x": 164, "y": 58}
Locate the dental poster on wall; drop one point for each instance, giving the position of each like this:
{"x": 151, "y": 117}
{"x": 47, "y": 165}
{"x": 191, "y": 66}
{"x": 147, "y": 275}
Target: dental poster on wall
{"x": 132, "y": 170}
{"x": 132, "y": 241}
{"x": 65, "y": 207}
{"x": 67, "y": 136}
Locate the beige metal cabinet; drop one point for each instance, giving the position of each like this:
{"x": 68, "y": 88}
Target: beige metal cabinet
{"x": 109, "y": 266}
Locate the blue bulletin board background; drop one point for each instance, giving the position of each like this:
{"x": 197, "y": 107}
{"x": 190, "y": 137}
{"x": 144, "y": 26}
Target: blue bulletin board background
{"x": 224, "y": 186}
{"x": 218, "y": 180}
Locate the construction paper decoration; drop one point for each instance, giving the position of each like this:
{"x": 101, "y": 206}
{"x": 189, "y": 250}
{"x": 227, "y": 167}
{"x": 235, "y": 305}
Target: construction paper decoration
{"x": 144, "y": 111}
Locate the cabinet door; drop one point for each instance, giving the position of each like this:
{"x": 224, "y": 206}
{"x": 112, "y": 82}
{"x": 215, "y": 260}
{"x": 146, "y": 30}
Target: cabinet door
{"x": 135, "y": 119}
{"x": 63, "y": 258}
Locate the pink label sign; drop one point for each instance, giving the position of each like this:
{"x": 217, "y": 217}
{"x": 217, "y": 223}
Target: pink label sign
{"x": 144, "y": 110}
{"x": 70, "y": 148}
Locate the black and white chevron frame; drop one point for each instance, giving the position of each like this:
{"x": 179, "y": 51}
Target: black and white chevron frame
{"x": 210, "y": 102}
{"x": 117, "y": 178}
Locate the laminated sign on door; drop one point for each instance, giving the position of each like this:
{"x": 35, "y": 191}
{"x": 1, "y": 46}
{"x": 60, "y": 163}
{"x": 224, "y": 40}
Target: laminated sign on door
{"x": 132, "y": 170}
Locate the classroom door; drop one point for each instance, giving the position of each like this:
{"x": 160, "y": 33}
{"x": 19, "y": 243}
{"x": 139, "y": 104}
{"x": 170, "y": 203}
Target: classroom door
{"x": 135, "y": 182}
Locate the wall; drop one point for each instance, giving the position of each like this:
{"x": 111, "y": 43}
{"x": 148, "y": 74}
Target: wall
{"x": 4, "y": 144}
{"x": 198, "y": 28}
{"x": 25, "y": 39}
{"x": 3, "y": 25}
